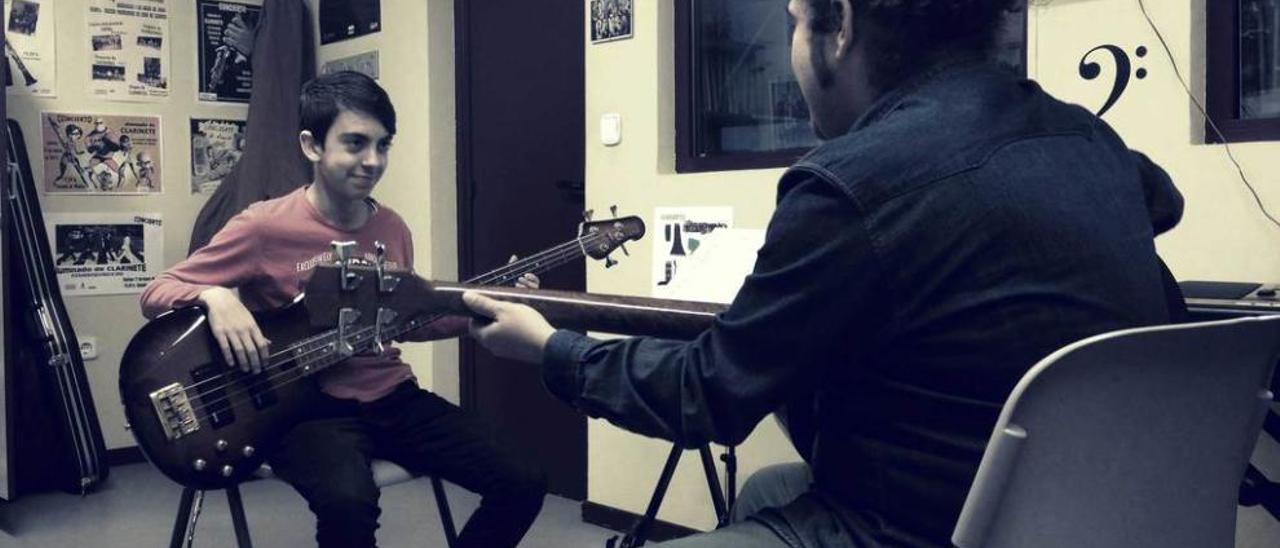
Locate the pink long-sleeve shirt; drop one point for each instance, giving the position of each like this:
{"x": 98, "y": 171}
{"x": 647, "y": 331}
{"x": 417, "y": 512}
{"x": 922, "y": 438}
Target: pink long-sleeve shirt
{"x": 268, "y": 252}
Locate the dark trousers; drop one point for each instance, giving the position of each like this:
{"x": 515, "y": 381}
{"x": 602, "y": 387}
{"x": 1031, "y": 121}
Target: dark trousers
{"x": 327, "y": 460}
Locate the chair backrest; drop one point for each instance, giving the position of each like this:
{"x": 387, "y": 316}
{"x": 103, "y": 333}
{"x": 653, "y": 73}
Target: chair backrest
{"x": 1128, "y": 439}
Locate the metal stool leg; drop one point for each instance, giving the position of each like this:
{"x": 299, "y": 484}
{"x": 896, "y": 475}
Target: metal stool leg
{"x": 184, "y": 527}
{"x": 446, "y": 517}
{"x": 237, "y": 517}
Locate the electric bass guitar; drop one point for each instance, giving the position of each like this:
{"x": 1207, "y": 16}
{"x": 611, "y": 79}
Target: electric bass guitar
{"x": 207, "y": 425}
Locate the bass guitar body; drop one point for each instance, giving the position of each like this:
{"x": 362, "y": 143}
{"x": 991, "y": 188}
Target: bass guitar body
{"x": 202, "y": 423}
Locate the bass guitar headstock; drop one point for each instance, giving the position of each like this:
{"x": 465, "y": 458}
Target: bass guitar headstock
{"x": 600, "y": 238}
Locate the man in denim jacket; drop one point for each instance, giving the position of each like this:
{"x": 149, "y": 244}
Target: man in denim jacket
{"x": 958, "y": 225}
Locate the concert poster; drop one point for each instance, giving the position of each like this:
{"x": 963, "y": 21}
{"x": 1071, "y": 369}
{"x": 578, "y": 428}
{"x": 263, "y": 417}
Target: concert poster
{"x": 226, "y": 32}
{"x": 128, "y": 43}
{"x": 31, "y": 47}
{"x": 678, "y": 242}
{"x": 216, "y": 147}
{"x": 344, "y": 19}
{"x": 101, "y": 154}
{"x": 105, "y": 253}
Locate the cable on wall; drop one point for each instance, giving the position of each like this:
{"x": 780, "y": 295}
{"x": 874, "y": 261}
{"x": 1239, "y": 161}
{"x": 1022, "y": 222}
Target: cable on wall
{"x": 1213, "y": 125}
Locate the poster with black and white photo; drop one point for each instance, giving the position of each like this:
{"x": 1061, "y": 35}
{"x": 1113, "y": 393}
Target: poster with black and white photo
{"x": 343, "y": 19}
{"x": 100, "y": 153}
{"x": 128, "y": 44}
{"x": 106, "y": 253}
{"x": 216, "y": 146}
{"x": 611, "y": 20}
{"x": 225, "y": 50}
{"x": 31, "y": 48}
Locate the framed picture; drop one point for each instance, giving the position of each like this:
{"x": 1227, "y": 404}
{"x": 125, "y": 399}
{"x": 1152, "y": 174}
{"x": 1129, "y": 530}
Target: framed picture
{"x": 611, "y": 20}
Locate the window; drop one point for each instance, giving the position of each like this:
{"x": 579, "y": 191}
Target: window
{"x": 737, "y": 104}
{"x": 1243, "y": 90}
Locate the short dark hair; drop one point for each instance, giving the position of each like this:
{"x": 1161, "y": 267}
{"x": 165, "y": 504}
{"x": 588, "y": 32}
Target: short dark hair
{"x": 904, "y": 33}
{"x": 325, "y": 96}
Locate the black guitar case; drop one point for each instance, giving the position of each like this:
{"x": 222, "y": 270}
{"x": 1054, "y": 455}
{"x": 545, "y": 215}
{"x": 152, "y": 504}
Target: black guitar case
{"x": 57, "y": 439}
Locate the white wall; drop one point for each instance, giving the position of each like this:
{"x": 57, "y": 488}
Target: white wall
{"x": 1222, "y": 236}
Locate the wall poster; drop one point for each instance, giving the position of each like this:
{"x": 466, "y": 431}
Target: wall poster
{"x": 31, "y": 47}
{"x": 106, "y": 253}
{"x": 681, "y": 232}
{"x": 226, "y": 32}
{"x": 128, "y": 44}
{"x": 216, "y": 147}
{"x": 100, "y": 153}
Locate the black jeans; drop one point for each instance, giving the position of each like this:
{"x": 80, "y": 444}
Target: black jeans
{"x": 327, "y": 460}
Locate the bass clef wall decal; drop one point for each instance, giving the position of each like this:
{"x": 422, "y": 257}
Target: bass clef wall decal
{"x": 1090, "y": 70}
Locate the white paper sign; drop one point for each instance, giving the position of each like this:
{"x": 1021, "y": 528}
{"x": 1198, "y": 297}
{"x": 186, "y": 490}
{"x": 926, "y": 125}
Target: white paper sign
{"x": 128, "y": 45}
{"x": 678, "y": 238}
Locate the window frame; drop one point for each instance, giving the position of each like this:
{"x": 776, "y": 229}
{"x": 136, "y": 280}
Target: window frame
{"x": 1222, "y": 88}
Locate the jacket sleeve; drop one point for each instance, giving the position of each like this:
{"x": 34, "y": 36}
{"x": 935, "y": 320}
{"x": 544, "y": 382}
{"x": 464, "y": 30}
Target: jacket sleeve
{"x": 792, "y": 317}
{"x": 230, "y": 260}
{"x": 1164, "y": 202}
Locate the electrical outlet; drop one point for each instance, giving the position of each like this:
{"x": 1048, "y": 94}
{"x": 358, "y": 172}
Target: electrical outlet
{"x": 89, "y": 348}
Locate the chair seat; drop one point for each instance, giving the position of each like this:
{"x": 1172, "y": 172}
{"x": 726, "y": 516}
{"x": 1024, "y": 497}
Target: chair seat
{"x": 385, "y": 473}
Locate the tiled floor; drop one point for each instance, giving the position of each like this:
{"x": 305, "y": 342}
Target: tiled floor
{"x": 137, "y": 508}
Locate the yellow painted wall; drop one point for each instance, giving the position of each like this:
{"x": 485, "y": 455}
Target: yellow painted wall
{"x": 636, "y": 78}
{"x": 1222, "y": 236}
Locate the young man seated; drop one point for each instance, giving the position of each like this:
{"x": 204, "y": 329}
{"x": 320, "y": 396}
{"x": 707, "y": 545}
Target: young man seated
{"x": 371, "y": 406}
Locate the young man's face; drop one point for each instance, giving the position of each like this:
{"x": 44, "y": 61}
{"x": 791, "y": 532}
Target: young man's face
{"x": 353, "y": 156}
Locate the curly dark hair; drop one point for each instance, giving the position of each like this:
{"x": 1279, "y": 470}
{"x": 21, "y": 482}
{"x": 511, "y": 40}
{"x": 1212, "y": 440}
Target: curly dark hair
{"x": 903, "y": 32}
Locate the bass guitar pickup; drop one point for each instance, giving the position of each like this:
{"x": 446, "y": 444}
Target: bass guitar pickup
{"x": 174, "y": 411}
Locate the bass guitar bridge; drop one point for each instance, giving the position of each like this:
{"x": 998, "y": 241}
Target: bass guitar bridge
{"x": 174, "y": 411}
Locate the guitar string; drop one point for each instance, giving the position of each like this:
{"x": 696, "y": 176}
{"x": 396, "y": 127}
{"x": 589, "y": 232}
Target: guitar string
{"x": 561, "y": 253}
{"x": 358, "y": 336}
{"x": 486, "y": 278}
{"x": 506, "y": 270}
{"x": 562, "y": 256}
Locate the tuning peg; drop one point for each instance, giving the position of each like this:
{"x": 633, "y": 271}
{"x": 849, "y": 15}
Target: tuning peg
{"x": 623, "y": 247}
{"x": 586, "y": 215}
{"x": 609, "y": 262}
{"x": 381, "y": 250}
{"x": 613, "y": 211}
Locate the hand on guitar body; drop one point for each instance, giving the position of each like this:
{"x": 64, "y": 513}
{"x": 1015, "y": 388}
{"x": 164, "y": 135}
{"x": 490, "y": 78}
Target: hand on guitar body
{"x": 236, "y": 331}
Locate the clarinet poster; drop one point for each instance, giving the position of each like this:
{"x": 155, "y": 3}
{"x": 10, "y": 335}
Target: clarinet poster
{"x": 105, "y": 253}
{"x": 681, "y": 232}
{"x": 128, "y": 44}
{"x": 30, "y": 47}
{"x": 226, "y": 33}
{"x": 216, "y": 147}
{"x": 100, "y": 154}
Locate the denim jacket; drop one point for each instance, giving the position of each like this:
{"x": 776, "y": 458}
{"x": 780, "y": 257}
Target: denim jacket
{"x": 966, "y": 226}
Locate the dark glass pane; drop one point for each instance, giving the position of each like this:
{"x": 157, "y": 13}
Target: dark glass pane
{"x": 747, "y": 99}
{"x": 1259, "y": 59}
